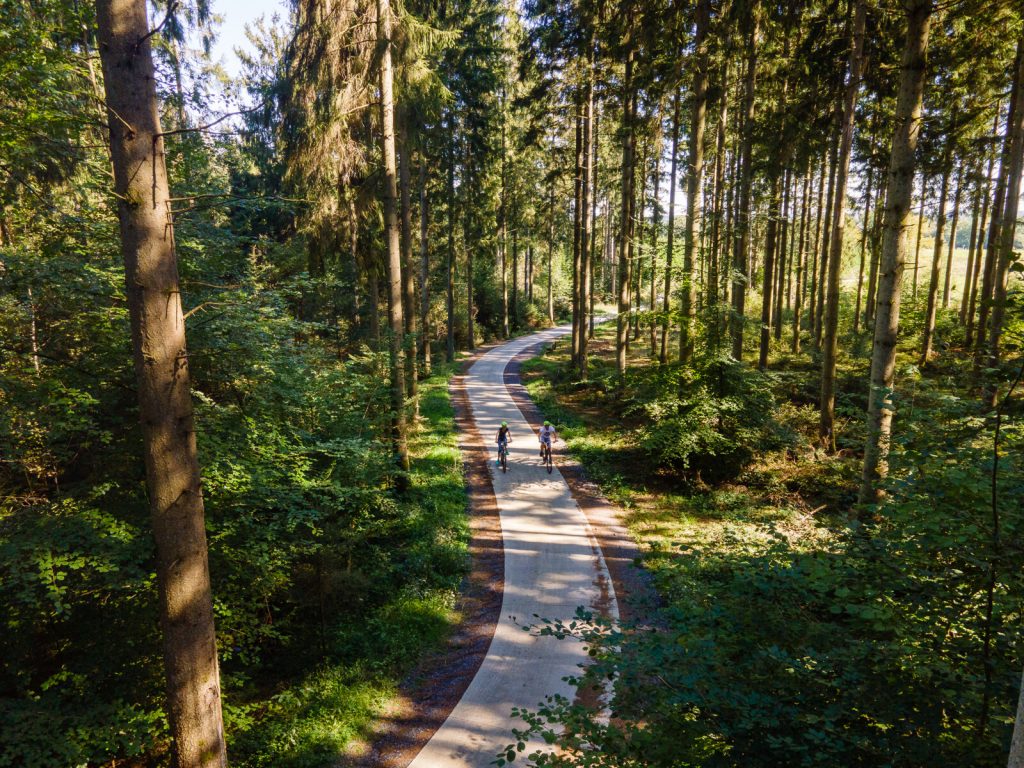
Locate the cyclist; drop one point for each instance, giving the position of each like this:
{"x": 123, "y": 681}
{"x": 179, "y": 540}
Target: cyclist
{"x": 503, "y": 439}
{"x": 546, "y": 435}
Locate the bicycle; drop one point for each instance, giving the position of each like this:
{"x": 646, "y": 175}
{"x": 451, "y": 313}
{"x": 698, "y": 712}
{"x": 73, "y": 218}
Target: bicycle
{"x": 503, "y": 456}
{"x": 545, "y": 453}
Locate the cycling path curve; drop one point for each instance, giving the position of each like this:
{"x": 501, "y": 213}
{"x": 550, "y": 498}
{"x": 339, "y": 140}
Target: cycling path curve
{"x": 553, "y": 564}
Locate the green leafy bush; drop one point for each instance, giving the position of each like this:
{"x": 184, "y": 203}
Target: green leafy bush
{"x": 708, "y": 422}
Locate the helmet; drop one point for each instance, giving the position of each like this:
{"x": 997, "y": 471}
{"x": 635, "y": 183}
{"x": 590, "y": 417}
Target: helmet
{"x": 547, "y": 423}
{"x": 504, "y": 423}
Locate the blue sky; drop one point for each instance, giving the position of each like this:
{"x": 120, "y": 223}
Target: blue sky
{"x": 236, "y": 14}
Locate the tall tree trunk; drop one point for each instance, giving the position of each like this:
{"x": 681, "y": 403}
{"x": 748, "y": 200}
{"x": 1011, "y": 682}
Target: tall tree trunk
{"x": 952, "y": 239}
{"x": 865, "y": 228}
{"x": 654, "y": 225}
{"x": 694, "y": 180}
{"x": 899, "y": 191}
{"x": 714, "y": 265}
{"x": 514, "y": 319}
{"x": 161, "y": 359}
{"x": 920, "y": 231}
{"x": 826, "y": 245}
{"x": 965, "y": 295}
{"x": 470, "y": 307}
{"x": 780, "y": 260}
{"x": 450, "y": 266}
{"x": 636, "y": 260}
{"x": 409, "y": 310}
{"x": 933, "y": 282}
{"x": 577, "y": 232}
{"x": 592, "y": 260}
{"x": 769, "y": 265}
{"x": 1015, "y": 131}
{"x": 551, "y": 248}
{"x": 801, "y": 260}
{"x": 826, "y": 430}
{"x": 812, "y": 272}
{"x": 585, "y": 216}
{"x": 392, "y": 237}
{"x": 670, "y": 236}
{"x": 625, "y": 237}
{"x": 743, "y": 213}
{"x": 503, "y": 225}
{"x": 985, "y": 195}
{"x": 424, "y": 271}
{"x": 875, "y": 243}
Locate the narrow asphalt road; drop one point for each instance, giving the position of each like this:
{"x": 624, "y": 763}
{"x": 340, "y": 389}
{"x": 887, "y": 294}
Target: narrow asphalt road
{"x": 553, "y": 564}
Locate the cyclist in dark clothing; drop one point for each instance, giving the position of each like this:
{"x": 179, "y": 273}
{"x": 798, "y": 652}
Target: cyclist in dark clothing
{"x": 503, "y": 439}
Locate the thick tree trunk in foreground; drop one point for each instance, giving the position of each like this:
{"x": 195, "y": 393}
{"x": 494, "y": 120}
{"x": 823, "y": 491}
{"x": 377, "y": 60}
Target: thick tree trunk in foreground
{"x": 396, "y": 321}
{"x": 164, "y": 386}
{"x": 826, "y": 427}
{"x": 742, "y": 244}
{"x": 899, "y": 191}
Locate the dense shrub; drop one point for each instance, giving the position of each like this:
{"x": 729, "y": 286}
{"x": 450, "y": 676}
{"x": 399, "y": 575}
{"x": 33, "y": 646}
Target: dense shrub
{"x": 707, "y": 423}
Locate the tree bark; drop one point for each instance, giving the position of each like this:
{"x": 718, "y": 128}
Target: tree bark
{"x": 577, "y": 232}
{"x": 812, "y": 272}
{"x": 780, "y": 260}
{"x": 1015, "y": 130}
{"x": 920, "y": 231}
{"x": 826, "y": 430}
{"x": 392, "y": 237}
{"x": 742, "y": 227}
{"x": 670, "y": 236}
{"x": 933, "y": 281}
{"x": 985, "y": 192}
{"x": 585, "y": 216}
{"x": 826, "y": 246}
{"x": 863, "y": 249}
{"x": 899, "y": 191}
{"x": 424, "y": 272}
{"x": 409, "y": 309}
{"x": 551, "y": 248}
{"x": 161, "y": 360}
{"x": 450, "y": 266}
{"x": 952, "y": 239}
{"x": 625, "y": 237}
{"x": 769, "y": 274}
{"x": 712, "y": 291}
{"x": 694, "y": 180}
{"x": 801, "y": 261}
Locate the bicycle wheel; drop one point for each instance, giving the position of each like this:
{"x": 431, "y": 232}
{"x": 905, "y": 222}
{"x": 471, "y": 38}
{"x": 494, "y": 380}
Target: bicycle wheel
{"x": 547, "y": 458}
{"x": 504, "y": 461}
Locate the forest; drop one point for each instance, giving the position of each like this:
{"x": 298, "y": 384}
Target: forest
{"x": 237, "y": 309}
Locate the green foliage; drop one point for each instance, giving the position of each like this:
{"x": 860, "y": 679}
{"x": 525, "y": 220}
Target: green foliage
{"x": 708, "y": 421}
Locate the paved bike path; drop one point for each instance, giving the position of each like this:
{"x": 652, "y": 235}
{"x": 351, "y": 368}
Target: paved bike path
{"x": 553, "y": 564}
